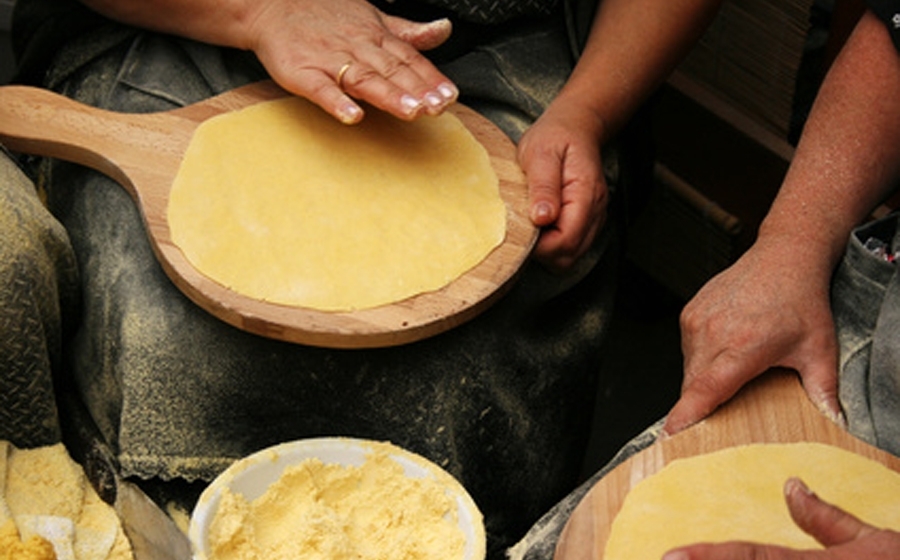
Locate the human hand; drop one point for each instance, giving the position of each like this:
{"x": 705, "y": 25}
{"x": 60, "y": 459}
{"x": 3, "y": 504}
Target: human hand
{"x": 844, "y": 536}
{"x": 568, "y": 194}
{"x": 769, "y": 309}
{"x": 338, "y": 52}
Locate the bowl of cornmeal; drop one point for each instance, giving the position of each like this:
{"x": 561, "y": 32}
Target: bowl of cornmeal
{"x": 336, "y": 498}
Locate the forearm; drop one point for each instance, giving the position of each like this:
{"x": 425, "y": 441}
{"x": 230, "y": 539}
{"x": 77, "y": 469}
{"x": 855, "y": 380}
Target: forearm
{"x": 633, "y": 46}
{"x": 849, "y": 154}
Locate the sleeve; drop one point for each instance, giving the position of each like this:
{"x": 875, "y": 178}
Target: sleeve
{"x": 888, "y": 11}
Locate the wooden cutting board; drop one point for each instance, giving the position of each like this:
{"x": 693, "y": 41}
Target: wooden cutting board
{"x": 772, "y": 409}
{"x": 143, "y": 154}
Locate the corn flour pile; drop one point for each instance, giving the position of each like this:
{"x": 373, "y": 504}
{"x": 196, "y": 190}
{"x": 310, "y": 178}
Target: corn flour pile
{"x": 318, "y": 511}
{"x": 48, "y": 509}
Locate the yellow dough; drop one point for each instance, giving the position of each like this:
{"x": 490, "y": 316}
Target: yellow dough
{"x": 736, "y": 494}
{"x": 282, "y": 203}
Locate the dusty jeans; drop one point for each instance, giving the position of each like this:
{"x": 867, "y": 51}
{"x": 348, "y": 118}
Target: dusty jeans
{"x": 503, "y": 402}
{"x": 38, "y": 285}
{"x": 866, "y": 304}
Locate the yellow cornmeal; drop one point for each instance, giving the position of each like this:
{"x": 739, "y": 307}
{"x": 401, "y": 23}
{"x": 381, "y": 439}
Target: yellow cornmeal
{"x": 48, "y": 509}
{"x": 329, "y": 511}
{"x": 33, "y": 548}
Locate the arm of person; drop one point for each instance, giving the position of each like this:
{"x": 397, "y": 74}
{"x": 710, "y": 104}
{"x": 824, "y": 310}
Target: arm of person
{"x": 771, "y": 308}
{"x": 333, "y": 52}
{"x": 844, "y": 536}
{"x": 632, "y": 47}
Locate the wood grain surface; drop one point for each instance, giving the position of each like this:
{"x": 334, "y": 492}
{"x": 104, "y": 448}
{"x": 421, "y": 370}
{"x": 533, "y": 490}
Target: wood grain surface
{"x": 772, "y": 409}
{"x": 143, "y": 153}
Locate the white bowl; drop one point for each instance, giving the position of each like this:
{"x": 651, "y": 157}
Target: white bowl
{"x": 252, "y": 475}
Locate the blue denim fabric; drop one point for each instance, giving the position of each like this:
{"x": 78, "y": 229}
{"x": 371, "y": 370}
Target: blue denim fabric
{"x": 38, "y": 285}
{"x": 540, "y": 541}
{"x": 866, "y": 307}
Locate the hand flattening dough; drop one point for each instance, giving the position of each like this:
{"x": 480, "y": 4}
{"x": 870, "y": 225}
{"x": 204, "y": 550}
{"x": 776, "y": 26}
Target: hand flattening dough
{"x": 736, "y": 494}
{"x": 281, "y": 203}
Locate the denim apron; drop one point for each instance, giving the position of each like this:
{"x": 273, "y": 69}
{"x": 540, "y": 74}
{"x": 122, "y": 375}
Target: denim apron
{"x": 866, "y": 307}
{"x": 503, "y": 402}
{"x": 38, "y": 287}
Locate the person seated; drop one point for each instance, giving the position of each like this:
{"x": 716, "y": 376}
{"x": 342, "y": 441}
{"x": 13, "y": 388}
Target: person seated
{"x": 503, "y": 402}
{"x": 808, "y": 295}
{"x": 804, "y": 297}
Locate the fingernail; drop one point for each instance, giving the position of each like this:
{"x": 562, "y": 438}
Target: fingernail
{"x": 541, "y": 211}
{"x": 675, "y": 555}
{"x": 794, "y": 484}
{"x": 841, "y": 421}
{"x": 349, "y": 113}
{"x": 434, "y": 100}
{"x": 410, "y": 104}
{"x": 448, "y": 91}
{"x": 439, "y": 24}
{"x": 836, "y": 416}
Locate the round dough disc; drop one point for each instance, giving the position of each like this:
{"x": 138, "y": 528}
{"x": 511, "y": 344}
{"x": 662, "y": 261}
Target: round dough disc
{"x": 282, "y": 203}
{"x": 737, "y": 494}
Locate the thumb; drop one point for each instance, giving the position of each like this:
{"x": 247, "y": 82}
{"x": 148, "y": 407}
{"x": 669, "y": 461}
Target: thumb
{"x": 821, "y": 386}
{"x": 421, "y": 36}
{"x": 543, "y": 172}
{"x": 826, "y": 523}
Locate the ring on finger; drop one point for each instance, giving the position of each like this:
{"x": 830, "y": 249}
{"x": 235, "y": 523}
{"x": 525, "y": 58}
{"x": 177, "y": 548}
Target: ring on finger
{"x": 343, "y": 72}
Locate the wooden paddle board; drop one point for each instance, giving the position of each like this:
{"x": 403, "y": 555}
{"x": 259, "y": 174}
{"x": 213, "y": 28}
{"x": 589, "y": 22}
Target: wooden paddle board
{"x": 772, "y": 409}
{"x": 143, "y": 152}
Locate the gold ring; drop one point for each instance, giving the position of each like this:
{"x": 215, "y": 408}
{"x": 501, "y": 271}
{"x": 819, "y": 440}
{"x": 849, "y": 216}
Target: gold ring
{"x": 341, "y": 73}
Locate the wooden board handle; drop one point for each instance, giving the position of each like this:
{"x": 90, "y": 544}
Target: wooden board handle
{"x": 40, "y": 122}
{"x": 143, "y": 153}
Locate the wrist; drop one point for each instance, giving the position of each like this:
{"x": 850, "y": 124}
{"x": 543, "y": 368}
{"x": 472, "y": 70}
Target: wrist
{"x": 573, "y": 109}
{"x": 813, "y": 254}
